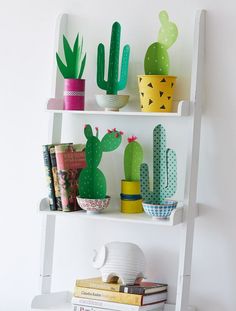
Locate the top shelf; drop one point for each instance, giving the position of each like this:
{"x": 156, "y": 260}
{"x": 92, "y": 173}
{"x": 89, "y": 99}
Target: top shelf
{"x": 180, "y": 109}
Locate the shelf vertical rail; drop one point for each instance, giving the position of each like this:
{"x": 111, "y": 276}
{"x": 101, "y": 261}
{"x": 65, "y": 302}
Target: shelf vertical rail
{"x": 55, "y": 124}
{"x": 196, "y": 99}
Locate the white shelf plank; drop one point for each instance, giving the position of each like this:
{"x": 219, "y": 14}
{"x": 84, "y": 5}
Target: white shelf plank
{"x": 113, "y": 214}
{"x": 180, "y": 109}
{"x": 62, "y": 302}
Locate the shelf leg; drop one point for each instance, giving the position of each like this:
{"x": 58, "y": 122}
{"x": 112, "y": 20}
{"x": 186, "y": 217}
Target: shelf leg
{"x": 47, "y": 247}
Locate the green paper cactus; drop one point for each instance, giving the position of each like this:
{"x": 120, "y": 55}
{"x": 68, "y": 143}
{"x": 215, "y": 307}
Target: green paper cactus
{"x": 133, "y": 157}
{"x": 92, "y": 182}
{"x": 112, "y": 85}
{"x": 164, "y": 171}
{"x": 75, "y": 61}
{"x": 156, "y": 60}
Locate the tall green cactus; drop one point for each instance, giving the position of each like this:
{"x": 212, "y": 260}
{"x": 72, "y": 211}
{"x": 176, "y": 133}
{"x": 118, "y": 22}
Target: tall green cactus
{"x": 164, "y": 171}
{"x": 156, "y": 60}
{"x": 133, "y": 157}
{"x": 112, "y": 85}
{"x": 92, "y": 182}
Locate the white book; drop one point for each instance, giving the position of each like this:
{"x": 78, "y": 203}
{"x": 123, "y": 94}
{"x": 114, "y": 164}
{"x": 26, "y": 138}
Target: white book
{"x": 84, "y": 304}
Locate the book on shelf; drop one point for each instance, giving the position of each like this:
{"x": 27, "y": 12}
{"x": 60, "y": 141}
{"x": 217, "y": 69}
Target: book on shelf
{"x": 83, "y": 304}
{"x": 49, "y": 176}
{"x": 141, "y": 289}
{"x": 55, "y": 179}
{"x": 124, "y": 298}
{"x": 70, "y": 161}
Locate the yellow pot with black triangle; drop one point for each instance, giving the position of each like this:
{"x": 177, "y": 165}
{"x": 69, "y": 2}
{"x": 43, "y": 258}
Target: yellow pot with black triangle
{"x": 156, "y": 92}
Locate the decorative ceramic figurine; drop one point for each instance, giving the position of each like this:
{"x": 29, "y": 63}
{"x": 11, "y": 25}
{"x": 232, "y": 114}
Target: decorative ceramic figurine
{"x": 120, "y": 259}
{"x": 72, "y": 71}
{"x": 156, "y": 87}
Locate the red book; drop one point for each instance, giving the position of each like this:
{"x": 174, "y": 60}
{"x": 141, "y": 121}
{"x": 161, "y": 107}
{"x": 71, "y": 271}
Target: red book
{"x": 70, "y": 162}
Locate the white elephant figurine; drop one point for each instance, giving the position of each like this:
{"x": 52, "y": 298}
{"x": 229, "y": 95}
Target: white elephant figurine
{"x": 121, "y": 260}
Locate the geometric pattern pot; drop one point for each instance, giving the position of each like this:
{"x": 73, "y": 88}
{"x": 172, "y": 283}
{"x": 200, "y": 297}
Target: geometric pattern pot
{"x": 161, "y": 211}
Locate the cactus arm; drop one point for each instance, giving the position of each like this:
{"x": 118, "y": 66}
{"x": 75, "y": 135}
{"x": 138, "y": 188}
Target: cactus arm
{"x": 111, "y": 141}
{"x": 93, "y": 152}
{"x": 114, "y": 59}
{"x": 88, "y": 132}
{"x": 168, "y": 32}
{"x": 145, "y": 184}
{"x": 156, "y": 60}
{"x": 171, "y": 173}
{"x": 124, "y": 68}
{"x": 102, "y": 84}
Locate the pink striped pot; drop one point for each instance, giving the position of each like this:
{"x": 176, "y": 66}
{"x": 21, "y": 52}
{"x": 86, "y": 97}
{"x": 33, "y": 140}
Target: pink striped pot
{"x": 74, "y": 94}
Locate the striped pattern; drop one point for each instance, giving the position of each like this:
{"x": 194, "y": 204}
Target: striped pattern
{"x": 73, "y": 93}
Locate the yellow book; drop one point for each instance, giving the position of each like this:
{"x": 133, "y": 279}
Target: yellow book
{"x": 98, "y": 283}
{"x": 124, "y": 298}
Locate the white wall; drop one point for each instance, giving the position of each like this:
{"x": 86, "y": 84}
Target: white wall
{"x": 27, "y": 34}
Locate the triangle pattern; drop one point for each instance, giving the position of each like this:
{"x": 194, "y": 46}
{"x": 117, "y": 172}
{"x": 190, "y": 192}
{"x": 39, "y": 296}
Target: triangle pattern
{"x": 163, "y": 80}
{"x": 163, "y": 107}
{"x": 150, "y": 102}
{"x": 150, "y": 85}
{"x": 140, "y": 79}
{"x": 169, "y": 97}
{"x": 161, "y": 93}
{"x": 142, "y": 93}
{"x": 172, "y": 84}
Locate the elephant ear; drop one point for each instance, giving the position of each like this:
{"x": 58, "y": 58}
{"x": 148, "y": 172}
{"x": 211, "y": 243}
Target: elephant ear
{"x": 100, "y": 257}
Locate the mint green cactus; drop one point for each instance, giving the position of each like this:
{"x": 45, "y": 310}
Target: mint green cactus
{"x": 156, "y": 60}
{"x": 92, "y": 182}
{"x": 164, "y": 171}
{"x": 133, "y": 158}
{"x": 112, "y": 85}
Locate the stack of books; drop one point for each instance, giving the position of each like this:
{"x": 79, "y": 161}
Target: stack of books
{"x": 95, "y": 295}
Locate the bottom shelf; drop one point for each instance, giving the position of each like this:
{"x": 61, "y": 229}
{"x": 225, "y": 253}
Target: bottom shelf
{"x": 62, "y": 301}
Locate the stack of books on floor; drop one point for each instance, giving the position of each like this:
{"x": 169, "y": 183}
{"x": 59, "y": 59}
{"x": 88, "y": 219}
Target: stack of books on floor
{"x": 95, "y": 295}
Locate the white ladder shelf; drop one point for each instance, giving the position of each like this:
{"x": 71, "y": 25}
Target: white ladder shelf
{"x": 47, "y": 300}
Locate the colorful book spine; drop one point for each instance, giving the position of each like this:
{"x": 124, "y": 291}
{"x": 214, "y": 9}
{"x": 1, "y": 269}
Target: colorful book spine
{"x": 97, "y": 305}
{"x": 70, "y": 161}
{"x": 49, "y": 177}
{"x": 99, "y": 284}
{"x": 55, "y": 179}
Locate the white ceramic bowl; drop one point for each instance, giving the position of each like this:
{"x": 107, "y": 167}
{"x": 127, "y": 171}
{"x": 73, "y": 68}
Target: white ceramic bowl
{"x": 112, "y": 102}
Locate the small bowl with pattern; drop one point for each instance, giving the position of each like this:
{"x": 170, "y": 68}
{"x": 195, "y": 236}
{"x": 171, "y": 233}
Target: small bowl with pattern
{"x": 93, "y": 205}
{"x": 160, "y": 211}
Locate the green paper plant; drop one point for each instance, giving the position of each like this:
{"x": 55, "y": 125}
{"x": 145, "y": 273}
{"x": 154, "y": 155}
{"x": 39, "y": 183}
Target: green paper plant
{"x": 112, "y": 85}
{"x": 133, "y": 157}
{"x": 164, "y": 171}
{"x": 74, "y": 59}
{"x": 92, "y": 182}
{"x": 156, "y": 60}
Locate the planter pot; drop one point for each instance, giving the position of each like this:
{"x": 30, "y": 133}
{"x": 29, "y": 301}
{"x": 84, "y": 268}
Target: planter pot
{"x": 156, "y": 92}
{"x": 131, "y": 200}
{"x": 74, "y": 94}
{"x": 160, "y": 211}
{"x": 112, "y": 102}
{"x": 93, "y": 205}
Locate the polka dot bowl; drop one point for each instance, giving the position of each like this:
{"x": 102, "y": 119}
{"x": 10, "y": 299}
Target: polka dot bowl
{"x": 93, "y": 205}
{"x": 160, "y": 211}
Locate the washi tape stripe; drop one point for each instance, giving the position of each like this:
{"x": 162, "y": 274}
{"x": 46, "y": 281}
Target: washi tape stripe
{"x": 130, "y": 197}
{"x": 73, "y": 93}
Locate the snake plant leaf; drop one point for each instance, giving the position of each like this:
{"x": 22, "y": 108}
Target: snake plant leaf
{"x": 63, "y": 69}
{"x": 82, "y": 67}
{"x": 69, "y": 57}
{"x": 76, "y": 58}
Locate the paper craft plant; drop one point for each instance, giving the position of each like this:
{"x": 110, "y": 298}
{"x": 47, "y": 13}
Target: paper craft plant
{"x": 156, "y": 60}
{"x": 164, "y": 171}
{"x": 92, "y": 182}
{"x": 74, "y": 59}
{"x": 112, "y": 85}
{"x": 133, "y": 157}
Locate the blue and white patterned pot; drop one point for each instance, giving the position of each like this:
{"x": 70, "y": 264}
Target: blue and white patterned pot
{"x": 160, "y": 210}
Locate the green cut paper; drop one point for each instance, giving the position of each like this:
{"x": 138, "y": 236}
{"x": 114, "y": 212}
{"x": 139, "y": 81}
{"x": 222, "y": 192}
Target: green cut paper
{"x": 164, "y": 171}
{"x": 92, "y": 181}
{"x": 133, "y": 157}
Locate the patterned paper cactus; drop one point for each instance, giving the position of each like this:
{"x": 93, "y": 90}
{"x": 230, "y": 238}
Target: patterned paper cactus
{"x": 156, "y": 60}
{"x": 164, "y": 171}
{"x": 112, "y": 85}
{"x": 92, "y": 182}
{"x": 133, "y": 158}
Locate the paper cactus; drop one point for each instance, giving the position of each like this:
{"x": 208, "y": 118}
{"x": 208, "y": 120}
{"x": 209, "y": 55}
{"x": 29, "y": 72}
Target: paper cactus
{"x": 164, "y": 171}
{"x": 156, "y": 60}
{"x": 92, "y": 182}
{"x": 75, "y": 63}
{"x": 112, "y": 85}
{"x": 133, "y": 158}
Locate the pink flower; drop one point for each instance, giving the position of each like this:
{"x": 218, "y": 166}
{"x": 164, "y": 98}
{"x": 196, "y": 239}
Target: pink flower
{"x": 132, "y": 138}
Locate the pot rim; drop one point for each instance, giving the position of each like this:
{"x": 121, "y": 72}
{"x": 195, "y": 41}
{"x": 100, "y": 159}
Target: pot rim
{"x": 139, "y": 76}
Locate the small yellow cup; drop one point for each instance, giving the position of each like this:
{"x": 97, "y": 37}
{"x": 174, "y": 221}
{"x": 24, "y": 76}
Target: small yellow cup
{"x": 131, "y": 206}
{"x": 156, "y": 92}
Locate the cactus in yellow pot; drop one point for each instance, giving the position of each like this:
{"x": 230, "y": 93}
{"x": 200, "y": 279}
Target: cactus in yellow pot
{"x": 156, "y": 86}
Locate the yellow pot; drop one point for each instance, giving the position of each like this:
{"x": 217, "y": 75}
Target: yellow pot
{"x": 131, "y": 201}
{"x": 156, "y": 92}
